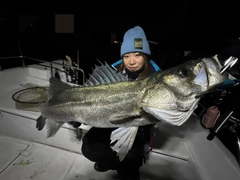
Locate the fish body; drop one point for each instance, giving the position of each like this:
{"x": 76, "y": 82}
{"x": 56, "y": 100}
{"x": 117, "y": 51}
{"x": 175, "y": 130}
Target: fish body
{"x": 123, "y": 103}
{"x": 100, "y": 106}
{"x": 110, "y": 100}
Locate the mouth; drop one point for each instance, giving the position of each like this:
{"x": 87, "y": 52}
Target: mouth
{"x": 132, "y": 68}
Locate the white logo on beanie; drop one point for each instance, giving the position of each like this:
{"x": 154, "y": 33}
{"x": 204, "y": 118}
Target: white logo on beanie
{"x": 138, "y": 43}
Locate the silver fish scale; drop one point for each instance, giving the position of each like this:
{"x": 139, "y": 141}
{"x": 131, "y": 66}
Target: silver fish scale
{"x": 96, "y": 106}
{"x": 102, "y": 112}
{"x": 158, "y": 96}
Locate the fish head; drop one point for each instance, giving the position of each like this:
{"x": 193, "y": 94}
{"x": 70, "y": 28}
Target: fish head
{"x": 192, "y": 79}
{"x": 173, "y": 94}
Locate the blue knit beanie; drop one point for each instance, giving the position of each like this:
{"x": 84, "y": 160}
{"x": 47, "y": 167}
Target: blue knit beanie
{"x": 135, "y": 40}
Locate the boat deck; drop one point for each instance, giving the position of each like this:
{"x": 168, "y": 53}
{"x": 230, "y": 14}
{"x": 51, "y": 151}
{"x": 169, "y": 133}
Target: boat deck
{"x": 30, "y": 161}
{"x": 23, "y": 160}
{"x": 179, "y": 153}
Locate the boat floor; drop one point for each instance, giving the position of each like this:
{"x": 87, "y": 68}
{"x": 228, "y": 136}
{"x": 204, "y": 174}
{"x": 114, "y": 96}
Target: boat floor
{"x": 31, "y": 161}
{"x": 22, "y": 160}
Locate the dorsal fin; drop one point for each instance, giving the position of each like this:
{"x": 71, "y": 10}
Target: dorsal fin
{"x": 56, "y": 85}
{"x": 104, "y": 74}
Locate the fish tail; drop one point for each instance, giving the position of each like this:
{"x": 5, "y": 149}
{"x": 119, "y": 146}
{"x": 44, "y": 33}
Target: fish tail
{"x": 52, "y": 127}
{"x": 41, "y": 121}
{"x": 124, "y": 138}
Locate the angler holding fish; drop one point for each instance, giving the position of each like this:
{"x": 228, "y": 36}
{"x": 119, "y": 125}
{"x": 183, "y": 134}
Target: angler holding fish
{"x": 136, "y": 125}
{"x": 123, "y": 106}
{"x": 135, "y": 64}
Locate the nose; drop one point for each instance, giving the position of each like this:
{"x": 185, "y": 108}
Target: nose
{"x": 131, "y": 60}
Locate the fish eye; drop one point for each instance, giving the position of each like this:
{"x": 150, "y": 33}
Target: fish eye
{"x": 184, "y": 71}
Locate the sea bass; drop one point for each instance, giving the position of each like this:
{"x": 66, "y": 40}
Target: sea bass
{"x": 110, "y": 100}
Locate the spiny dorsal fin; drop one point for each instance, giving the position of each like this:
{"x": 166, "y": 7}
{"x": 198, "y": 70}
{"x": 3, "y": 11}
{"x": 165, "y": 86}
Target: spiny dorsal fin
{"x": 56, "y": 85}
{"x": 104, "y": 74}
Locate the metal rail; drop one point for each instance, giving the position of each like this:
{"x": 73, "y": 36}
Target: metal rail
{"x": 76, "y": 69}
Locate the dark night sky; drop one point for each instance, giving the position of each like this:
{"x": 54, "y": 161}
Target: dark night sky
{"x": 175, "y": 25}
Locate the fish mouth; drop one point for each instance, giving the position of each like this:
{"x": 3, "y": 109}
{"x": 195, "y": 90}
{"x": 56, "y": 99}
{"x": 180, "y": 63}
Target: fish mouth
{"x": 209, "y": 75}
{"x": 213, "y": 72}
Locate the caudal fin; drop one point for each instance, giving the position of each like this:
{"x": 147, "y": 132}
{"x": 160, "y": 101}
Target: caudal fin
{"x": 125, "y": 137}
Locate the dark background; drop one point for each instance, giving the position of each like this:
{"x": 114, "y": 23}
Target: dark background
{"x": 177, "y": 26}
{"x": 203, "y": 27}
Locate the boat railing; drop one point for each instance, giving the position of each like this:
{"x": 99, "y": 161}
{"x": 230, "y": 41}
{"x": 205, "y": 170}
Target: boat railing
{"x": 70, "y": 69}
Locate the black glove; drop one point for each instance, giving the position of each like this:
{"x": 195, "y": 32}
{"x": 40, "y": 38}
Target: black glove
{"x": 41, "y": 121}
{"x": 75, "y": 124}
{"x": 225, "y": 54}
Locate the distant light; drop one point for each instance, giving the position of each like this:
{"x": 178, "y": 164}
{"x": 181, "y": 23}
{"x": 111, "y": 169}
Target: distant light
{"x": 153, "y": 42}
{"x": 117, "y": 42}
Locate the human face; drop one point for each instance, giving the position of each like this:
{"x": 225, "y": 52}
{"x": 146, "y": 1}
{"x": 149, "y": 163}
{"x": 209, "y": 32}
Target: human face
{"x": 133, "y": 61}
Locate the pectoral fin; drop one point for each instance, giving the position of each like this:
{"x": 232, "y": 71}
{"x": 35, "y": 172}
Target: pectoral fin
{"x": 52, "y": 127}
{"x": 122, "y": 119}
{"x": 119, "y": 119}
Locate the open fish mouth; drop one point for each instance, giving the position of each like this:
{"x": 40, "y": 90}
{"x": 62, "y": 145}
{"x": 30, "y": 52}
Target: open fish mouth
{"x": 213, "y": 72}
{"x": 209, "y": 75}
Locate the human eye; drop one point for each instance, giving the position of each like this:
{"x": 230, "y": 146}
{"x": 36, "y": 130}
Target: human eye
{"x": 137, "y": 55}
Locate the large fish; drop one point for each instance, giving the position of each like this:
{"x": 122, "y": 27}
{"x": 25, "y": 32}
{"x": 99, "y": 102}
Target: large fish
{"x": 109, "y": 100}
